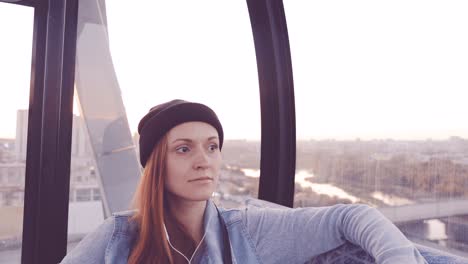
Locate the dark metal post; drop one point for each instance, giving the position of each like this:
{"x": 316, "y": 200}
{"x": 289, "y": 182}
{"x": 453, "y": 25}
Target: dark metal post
{"x": 49, "y": 132}
{"x": 278, "y": 156}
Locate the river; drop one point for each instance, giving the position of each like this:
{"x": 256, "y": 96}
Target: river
{"x": 436, "y": 229}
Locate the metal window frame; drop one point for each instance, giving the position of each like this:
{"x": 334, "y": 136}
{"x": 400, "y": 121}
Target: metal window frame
{"x": 49, "y": 132}
{"x": 278, "y": 141}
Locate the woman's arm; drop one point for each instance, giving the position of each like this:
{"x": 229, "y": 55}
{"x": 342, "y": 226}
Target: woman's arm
{"x": 296, "y": 235}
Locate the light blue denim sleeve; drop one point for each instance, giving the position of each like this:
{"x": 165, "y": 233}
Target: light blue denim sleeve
{"x": 92, "y": 247}
{"x": 297, "y": 235}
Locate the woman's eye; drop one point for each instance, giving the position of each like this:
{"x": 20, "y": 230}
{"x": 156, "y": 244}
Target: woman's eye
{"x": 182, "y": 149}
{"x": 213, "y": 147}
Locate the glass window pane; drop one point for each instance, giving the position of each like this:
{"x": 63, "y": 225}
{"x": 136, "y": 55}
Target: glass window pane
{"x": 199, "y": 51}
{"x": 85, "y": 207}
{"x": 174, "y": 52}
{"x": 16, "y": 29}
{"x": 380, "y": 96}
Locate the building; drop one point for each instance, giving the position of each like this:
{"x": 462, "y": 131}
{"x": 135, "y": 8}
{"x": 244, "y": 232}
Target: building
{"x": 84, "y": 185}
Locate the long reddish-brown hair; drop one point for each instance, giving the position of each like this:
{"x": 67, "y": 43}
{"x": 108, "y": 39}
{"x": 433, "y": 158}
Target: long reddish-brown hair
{"x": 150, "y": 202}
{"x": 151, "y": 245}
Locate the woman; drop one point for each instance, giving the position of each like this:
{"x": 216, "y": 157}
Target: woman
{"x": 176, "y": 222}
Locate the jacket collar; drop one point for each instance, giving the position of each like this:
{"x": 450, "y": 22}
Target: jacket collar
{"x": 212, "y": 243}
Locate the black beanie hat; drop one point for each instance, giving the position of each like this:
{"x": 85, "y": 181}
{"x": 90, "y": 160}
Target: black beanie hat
{"x": 161, "y": 118}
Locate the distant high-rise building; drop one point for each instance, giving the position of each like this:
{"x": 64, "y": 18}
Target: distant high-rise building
{"x": 80, "y": 145}
{"x": 136, "y": 139}
{"x": 21, "y": 134}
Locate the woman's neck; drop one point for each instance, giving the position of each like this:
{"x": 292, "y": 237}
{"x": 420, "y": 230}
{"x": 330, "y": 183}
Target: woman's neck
{"x": 189, "y": 214}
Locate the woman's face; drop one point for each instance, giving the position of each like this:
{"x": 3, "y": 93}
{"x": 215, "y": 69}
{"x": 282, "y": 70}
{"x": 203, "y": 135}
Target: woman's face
{"x": 193, "y": 161}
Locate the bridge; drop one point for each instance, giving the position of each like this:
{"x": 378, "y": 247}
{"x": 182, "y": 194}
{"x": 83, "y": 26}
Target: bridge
{"x": 424, "y": 211}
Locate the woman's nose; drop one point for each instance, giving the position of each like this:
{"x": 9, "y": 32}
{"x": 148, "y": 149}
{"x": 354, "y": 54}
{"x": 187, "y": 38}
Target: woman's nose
{"x": 202, "y": 160}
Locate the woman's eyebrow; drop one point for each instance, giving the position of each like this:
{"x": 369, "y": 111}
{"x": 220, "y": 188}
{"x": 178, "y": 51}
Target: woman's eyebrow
{"x": 190, "y": 140}
{"x": 182, "y": 139}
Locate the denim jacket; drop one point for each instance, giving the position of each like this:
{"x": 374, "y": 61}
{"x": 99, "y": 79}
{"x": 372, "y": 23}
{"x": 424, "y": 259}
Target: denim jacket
{"x": 258, "y": 234}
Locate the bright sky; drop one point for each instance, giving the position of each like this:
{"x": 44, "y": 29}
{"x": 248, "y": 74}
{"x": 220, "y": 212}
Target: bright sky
{"x": 368, "y": 69}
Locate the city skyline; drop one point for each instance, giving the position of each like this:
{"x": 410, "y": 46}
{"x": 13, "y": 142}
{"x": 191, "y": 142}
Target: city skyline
{"x": 420, "y": 137}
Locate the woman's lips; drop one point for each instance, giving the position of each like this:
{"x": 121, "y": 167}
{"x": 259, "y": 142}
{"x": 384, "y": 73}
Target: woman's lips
{"x": 201, "y": 179}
